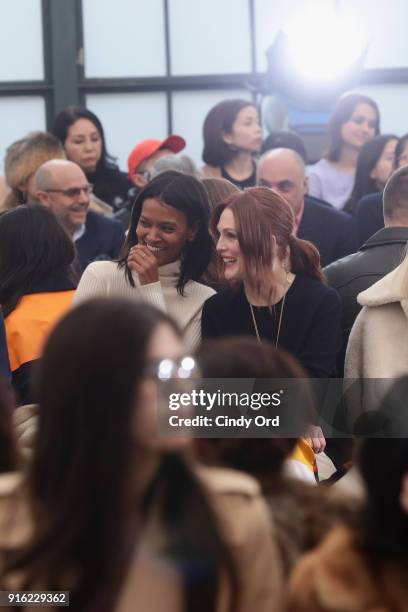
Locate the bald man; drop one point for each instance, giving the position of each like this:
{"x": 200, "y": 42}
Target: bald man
{"x": 330, "y": 230}
{"x": 62, "y": 186}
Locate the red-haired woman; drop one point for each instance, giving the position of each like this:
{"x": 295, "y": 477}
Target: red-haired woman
{"x": 277, "y": 290}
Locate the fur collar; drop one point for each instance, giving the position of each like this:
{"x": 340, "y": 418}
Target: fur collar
{"x": 391, "y": 288}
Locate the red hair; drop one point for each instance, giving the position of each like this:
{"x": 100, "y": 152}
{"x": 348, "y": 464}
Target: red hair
{"x": 259, "y": 214}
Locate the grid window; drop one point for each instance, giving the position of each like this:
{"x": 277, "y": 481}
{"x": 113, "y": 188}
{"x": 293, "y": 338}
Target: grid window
{"x": 124, "y": 39}
{"x": 21, "y": 41}
{"x": 210, "y": 37}
{"x": 18, "y": 116}
{"x": 128, "y": 119}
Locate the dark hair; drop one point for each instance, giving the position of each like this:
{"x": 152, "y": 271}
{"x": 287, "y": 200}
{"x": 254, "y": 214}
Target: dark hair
{"x": 342, "y": 112}
{"x": 86, "y": 480}
{"x": 399, "y": 148}
{"x": 220, "y": 119}
{"x": 284, "y": 140}
{"x": 186, "y": 194}
{"x": 68, "y": 117}
{"x": 368, "y": 157}
{"x": 243, "y": 357}
{"x": 383, "y": 464}
{"x": 259, "y": 214}
{"x": 33, "y": 248}
{"x": 395, "y": 197}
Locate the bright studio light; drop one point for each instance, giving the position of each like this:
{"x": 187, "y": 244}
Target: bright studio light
{"x": 323, "y": 45}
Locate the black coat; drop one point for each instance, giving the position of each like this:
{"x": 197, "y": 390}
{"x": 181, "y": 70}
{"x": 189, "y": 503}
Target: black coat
{"x": 369, "y": 216}
{"x": 330, "y": 230}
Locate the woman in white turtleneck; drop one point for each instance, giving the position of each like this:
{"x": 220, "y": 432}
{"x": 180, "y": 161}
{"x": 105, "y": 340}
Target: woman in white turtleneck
{"x": 166, "y": 252}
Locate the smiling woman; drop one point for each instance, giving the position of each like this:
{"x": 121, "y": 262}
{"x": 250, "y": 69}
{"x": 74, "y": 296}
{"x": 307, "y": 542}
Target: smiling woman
{"x": 355, "y": 120}
{"x": 167, "y": 250}
{"x": 277, "y": 291}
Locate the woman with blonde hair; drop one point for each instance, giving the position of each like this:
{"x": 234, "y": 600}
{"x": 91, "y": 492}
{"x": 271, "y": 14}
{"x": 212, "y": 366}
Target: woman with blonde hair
{"x": 23, "y": 158}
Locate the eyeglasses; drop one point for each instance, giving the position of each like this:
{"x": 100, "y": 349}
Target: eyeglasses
{"x": 73, "y": 192}
{"x": 167, "y": 369}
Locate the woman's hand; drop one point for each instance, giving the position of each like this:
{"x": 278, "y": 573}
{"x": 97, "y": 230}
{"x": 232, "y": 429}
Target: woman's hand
{"x": 142, "y": 261}
{"x": 316, "y": 439}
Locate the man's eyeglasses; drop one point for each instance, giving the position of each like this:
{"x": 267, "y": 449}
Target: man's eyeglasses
{"x": 73, "y": 192}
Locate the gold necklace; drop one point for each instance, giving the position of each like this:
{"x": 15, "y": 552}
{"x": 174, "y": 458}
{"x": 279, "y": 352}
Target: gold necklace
{"x": 290, "y": 279}
{"x": 279, "y": 323}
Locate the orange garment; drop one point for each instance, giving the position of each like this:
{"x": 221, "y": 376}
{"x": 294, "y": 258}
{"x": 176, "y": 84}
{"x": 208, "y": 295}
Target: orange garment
{"x": 29, "y": 324}
{"x": 303, "y": 461}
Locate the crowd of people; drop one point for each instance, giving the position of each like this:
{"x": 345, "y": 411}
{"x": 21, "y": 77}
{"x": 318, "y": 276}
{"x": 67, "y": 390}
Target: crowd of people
{"x": 254, "y": 267}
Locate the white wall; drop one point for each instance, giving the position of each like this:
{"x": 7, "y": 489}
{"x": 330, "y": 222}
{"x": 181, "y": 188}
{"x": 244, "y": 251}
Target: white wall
{"x": 18, "y": 116}
{"x": 123, "y": 38}
{"x": 128, "y": 119}
{"x": 21, "y": 46}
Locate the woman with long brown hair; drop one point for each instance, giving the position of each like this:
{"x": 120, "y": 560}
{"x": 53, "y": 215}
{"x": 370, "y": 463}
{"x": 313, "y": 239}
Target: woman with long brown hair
{"x": 354, "y": 121}
{"x": 122, "y": 518}
{"x": 277, "y": 290}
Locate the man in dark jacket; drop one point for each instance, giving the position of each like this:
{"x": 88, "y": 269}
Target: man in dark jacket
{"x": 379, "y": 255}
{"x": 62, "y": 186}
{"x": 330, "y": 230}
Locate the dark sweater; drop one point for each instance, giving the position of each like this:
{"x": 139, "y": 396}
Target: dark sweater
{"x": 310, "y": 327}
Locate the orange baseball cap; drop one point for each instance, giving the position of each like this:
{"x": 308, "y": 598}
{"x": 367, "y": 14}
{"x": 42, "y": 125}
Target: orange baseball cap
{"x": 147, "y": 148}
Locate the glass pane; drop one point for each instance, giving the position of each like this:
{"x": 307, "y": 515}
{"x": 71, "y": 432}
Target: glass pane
{"x": 129, "y": 118}
{"x": 21, "y": 46}
{"x": 382, "y": 29}
{"x": 270, "y": 17}
{"x": 189, "y": 111}
{"x": 124, "y": 38}
{"x": 210, "y": 37}
{"x": 18, "y": 116}
{"x": 392, "y": 101}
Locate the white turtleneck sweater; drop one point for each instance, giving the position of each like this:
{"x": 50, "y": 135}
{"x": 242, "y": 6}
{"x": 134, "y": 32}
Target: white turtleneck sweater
{"x": 103, "y": 278}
